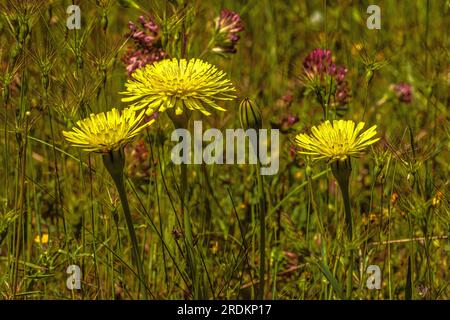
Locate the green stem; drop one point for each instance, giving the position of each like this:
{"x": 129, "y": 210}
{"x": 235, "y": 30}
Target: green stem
{"x": 342, "y": 171}
{"x": 115, "y": 168}
{"x": 192, "y": 257}
{"x": 349, "y": 227}
{"x": 348, "y": 212}
{"x": 262, "y": 232}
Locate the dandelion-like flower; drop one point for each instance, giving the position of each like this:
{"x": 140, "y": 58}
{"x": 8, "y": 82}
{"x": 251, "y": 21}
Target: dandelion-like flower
{"x": 336, "y": 141}
{"x": 180, "y": 84}
{"x": 105, "y": 132}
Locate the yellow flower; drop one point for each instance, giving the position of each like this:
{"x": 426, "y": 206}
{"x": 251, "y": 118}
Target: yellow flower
{"x": 178, "y": 84}
{"x": 41, "y": 239}
{"x": 357, "y": 47}
{"x": 437, "y": 198}
{"x": 336, "y": 141}
{"x": 106, "y": 132}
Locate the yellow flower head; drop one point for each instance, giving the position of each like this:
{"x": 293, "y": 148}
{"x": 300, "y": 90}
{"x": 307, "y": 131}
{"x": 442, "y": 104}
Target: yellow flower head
{"x": 336, "y": 141}
{"x": 41, "y": 239}
{"x": 178, "y": 84}
{"x": 106, "y": 132}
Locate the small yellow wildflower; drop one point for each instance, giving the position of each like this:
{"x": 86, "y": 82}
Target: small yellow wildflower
{"x": 336, "y": 141}
{"x": 215, "y": 247}
{"x": 43, "y": 239}
{"x": 298, "y": 175}
{"x": 179, "y": 84}
{"x": 437, "y": 199}
{"x": 394, "y": 197}
{"x": 356, "y": 48}
{"x": 106, "y": 132}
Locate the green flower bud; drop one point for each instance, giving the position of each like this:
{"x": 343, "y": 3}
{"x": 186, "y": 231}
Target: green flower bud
{"x": 308, "y": 171}
{"x": 250, "y": 115}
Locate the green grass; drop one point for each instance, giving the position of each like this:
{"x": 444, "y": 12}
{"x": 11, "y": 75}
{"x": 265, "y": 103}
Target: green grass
{"x": 51, "y": 77}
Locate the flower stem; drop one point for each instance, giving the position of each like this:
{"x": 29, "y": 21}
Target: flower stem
{"x": 341, "y": 171}
{"x": 192, "y": 257}
{"x": 182, "y": 121}
{"x": 348, "y": 212}
{"x": 262, "y": 232}
{"x": 349, "y": 227}
{"x": 114, "y": 162}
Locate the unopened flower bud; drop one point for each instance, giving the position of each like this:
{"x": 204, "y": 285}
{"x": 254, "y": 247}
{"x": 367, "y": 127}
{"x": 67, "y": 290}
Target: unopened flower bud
{"x": 250, "y": 115}
{"x": 228, "y": 27}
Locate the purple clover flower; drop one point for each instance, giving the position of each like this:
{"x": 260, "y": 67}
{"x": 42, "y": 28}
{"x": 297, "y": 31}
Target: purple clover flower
{"x": 228, "y": 27}
{"x": 319, "y": 64}
{"x": 146, "y": 46}
{"x": 138, "y": 164}
{"x": 403, "y": 91}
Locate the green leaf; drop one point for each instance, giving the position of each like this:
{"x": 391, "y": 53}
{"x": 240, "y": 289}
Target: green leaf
{"x": 329, "y": 275}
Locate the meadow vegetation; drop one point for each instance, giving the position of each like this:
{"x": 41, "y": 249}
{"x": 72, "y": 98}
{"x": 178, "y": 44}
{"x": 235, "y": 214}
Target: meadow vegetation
{"x": 108, "y": 198}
